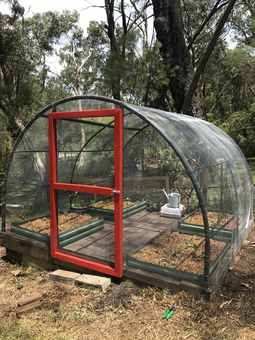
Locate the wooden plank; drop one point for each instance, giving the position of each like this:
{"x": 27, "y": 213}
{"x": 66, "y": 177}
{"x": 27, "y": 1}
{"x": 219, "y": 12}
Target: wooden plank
{"x": 98, "y": 252}
{"x": 136, "y": 238}
{"x": 93, "y": 280}
{"x": 147, "y": 226}
{"x": 28, "y": 307}
{"x": 29, "y": 299}
{"x": 25, "y": 246}
{"x": 89, "y": 240}
{"x": 64, "y": 276}
{"x": 161, "y": 281}
{"x": 151, "y": 221}
{"x": 136, "y": 216}
{"x": 81, "y": 235}
{"x": 155, "y": 218}
{"x": 165, "y": 271}
{"x": 3, "y": 252}
{"x": 145, "y": 178}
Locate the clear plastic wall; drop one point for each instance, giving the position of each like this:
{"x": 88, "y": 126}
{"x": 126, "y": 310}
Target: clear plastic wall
{"x": 217, "y": 163}
{"x": 161, "y": 151}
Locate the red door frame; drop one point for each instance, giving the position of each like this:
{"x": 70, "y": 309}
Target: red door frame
{"x": 117, "y": 191}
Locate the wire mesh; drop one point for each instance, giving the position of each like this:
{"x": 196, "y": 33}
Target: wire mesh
{"x": 161, "y": 151}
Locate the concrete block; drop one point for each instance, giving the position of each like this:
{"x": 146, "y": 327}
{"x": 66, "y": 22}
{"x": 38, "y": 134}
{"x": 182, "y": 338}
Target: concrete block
{"x": 93, "y": 280}
{"x": 64, "y": 276}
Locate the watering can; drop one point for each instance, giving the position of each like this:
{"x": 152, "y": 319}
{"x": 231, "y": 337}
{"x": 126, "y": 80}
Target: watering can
{"x": 173, "y": 198}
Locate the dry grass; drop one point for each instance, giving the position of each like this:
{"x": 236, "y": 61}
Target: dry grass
{"x": 128, "y": 311}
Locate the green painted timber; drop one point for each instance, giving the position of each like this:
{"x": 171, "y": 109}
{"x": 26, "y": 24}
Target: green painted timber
{"x": 76, "y": 234}
{"x": 214, "y": 233}
{"x": 109, "y": 214}
{"x": 30, "y": 234}
{"x": 81, "y": 235}
{"x": 169, "y": 272}
{"x": 70, "y": 233}
{"x": 134, "y": 211}
{"x": 177, "y": 274}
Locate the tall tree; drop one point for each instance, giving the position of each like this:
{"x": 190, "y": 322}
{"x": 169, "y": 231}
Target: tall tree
{"x": 125, "y": 21}
{"x": 170, "y": 32}
{"x": 82, "y": 59}
{"x": 25, "y": 44}
{"x": 169, "y": 25}
{"x": 114, "y": 61}
{"x": 243, "y": 22}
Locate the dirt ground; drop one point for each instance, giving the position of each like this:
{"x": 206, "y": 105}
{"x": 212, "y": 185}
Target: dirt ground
{"x": 66, "y": 222}
{"x": 109, "y": 205}
{"x": 128, "y": 311}
{"x": 182, "y": 251}
{"x": 214, "y": 219}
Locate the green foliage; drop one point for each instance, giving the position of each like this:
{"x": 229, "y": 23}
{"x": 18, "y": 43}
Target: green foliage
{"x": 193, "y": 16}
{"x": 5, "y": 148}
{"x": 241, "y": 126}
{"x": 228, "y": 85}
{"x": 24, "y": 73}
{"x": 243, "y": 22}
{"x": 226, "y": 91}
{"x": 83, "y": 59}
{"x": 251, "y": 162}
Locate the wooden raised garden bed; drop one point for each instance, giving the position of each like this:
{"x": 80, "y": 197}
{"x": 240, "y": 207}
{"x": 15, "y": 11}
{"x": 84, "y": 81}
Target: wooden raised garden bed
{"x": 72, "y": 227}
{"x": 106, "y": 208}
{"x": 214, "y": 218}
{"x": 222, "y": 227}
{"x": 179, "y": 251}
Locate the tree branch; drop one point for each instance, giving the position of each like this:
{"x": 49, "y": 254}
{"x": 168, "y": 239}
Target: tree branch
{"x": 187, "y": 105}
{"x": 125, "y": 29}
{"x": 214, "y": 10}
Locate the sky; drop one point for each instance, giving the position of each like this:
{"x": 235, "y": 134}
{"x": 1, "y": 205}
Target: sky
{"x": 84, "y": 7}
{"x": 87, "y": 13}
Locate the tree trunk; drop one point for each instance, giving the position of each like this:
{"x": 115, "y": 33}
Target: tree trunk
{"x": 114, "y": 59}
{"x": 183, "y": 80}
{"x": 170, "y": 33}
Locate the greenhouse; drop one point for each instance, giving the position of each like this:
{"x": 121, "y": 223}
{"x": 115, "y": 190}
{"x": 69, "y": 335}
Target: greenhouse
{"x": 125, "y": 190}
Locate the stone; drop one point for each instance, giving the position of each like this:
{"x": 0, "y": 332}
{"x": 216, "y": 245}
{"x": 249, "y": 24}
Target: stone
{"x": 93, "y": 280}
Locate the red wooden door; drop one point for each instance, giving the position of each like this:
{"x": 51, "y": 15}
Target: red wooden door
{"x": 116, "y": 191}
